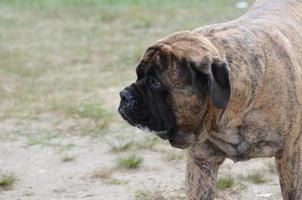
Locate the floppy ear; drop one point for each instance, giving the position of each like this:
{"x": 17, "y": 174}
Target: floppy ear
{"x": 213, "y": 77}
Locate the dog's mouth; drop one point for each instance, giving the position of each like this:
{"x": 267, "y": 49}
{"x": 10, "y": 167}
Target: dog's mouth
{"x": 156, "y": 117}
{"x": 177, "y": 138}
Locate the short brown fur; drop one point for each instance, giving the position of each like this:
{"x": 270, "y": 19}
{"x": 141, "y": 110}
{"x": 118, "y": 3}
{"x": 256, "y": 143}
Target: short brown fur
{"x": 263, "y": 49}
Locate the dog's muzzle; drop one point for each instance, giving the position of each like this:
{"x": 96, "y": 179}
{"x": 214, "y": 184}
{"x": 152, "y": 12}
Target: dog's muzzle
{"x": 133, "y": 110}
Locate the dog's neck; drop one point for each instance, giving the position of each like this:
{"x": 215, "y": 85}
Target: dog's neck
{"x": 212, "y": 117}
{"x": 229, "y": 49}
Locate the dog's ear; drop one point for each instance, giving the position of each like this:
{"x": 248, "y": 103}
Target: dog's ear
{"x": 212, "y": 76}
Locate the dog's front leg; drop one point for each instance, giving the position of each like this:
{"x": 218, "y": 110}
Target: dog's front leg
{"x": 289, "y": 165}
{"x": 201, "y": 174}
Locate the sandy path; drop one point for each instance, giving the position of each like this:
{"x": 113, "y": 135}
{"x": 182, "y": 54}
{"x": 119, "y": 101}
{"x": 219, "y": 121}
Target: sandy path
{"x": 42, "y": 174}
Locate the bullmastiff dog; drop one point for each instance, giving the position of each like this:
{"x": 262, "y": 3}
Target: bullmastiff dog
{"x": 229, "y": 90}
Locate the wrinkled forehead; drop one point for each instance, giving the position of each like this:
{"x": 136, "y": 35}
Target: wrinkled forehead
{"x": 169, "y": 74}
{"x": 158, "y": 58}
{"x": 151, "y": 62}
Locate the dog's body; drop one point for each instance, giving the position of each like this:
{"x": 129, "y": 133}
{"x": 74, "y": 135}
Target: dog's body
{"x": 264, "y": 51}
{"x": 252, "y": 102}
{"x": 264, "y": 115}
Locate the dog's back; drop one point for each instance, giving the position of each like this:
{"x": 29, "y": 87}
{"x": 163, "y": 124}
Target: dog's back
{"x": 269, "y": 33}
{"x": 285, "y": 15}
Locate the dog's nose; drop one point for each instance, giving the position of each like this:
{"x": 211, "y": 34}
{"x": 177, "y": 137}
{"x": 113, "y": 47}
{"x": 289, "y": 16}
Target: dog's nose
{"x": 126, "y": 96}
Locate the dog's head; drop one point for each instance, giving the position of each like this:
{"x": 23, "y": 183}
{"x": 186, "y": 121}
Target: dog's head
{"x": 178, "y": 79}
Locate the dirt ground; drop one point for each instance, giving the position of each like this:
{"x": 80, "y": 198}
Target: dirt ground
{"x": 43, "y": 175}
{"x": 62, "y": 64}
{"x": 92, "y": 174}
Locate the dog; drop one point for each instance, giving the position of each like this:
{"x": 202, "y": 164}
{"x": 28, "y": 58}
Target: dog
{"x": 229, "y": 90}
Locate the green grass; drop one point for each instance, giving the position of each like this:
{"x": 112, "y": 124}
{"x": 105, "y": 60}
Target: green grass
{"x": 43, "y": 140}
{"x": 7, "y": 180}
{"x": 90, "y": 110}
{"x": 257, "y": 177}
{"x": 71, "y": 57}
{"x": 225, "y": 182}
{"x": 120, "y": 146}
{"x": 55, "y": 3}
{"x": 129, "y": 161}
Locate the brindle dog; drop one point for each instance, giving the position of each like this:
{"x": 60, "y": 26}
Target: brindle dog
{"x": 230, "y": 90}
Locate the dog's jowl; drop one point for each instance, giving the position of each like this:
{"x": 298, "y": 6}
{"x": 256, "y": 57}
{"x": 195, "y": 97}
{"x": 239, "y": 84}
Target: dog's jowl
{"x": 230, "y": 90}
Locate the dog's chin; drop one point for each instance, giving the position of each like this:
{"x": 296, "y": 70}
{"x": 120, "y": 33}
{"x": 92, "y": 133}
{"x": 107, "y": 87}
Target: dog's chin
{"x": 163, "y": 134}
{"x": 177, "y": 139}
{"x": 180, "y": 139}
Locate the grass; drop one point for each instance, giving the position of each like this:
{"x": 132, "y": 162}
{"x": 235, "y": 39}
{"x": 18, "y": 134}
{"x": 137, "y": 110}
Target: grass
{"x": 102, "y": 174}
{"x": 68, "y": 158}
{"x": 65, "y": 147}
{"x": 129, "y": 161}
{"x": 7, "y": 180}
{"x": 120, "y": 146}
{"x": 106, "y": 176}
{"x": 116, "y": 181}
{"x": 225, "y": 182}
{"x": 90, "y": 110}
{"x": 256, "y": 177}
{"x": 50, "y": 4}
{"x": 148, "y": 142}
{"x": 71, "y": 57}
{"x": 79, "y": 48}
{"x": 144, "y": 194}
{"x": 43, "y": 140}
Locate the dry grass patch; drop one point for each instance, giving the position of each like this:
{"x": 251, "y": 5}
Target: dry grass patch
{"x": 120, "y": 146}
{"x": 7, "y": 180}
{"x": 257, "y": 177}
{"x": 116, "y": 181}
{"x": 225, "y": 182}
{"x": 102, "y": 174}
{"x": 144, "y": 194}
{"x": 68, "y": 158}
{"x": 129, "y": 161}
{"x": 43, "y": 140}
{"x": 106, "y": 175}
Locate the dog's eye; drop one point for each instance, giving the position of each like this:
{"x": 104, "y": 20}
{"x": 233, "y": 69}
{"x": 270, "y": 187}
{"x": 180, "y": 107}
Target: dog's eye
{"x": 155, "y": 84}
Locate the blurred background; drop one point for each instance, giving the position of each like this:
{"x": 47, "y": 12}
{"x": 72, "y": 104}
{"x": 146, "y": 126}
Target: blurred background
{"x": 62, "y": 64}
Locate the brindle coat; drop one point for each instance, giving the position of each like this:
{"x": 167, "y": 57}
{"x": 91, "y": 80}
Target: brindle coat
{"x": 259, "y": 108}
